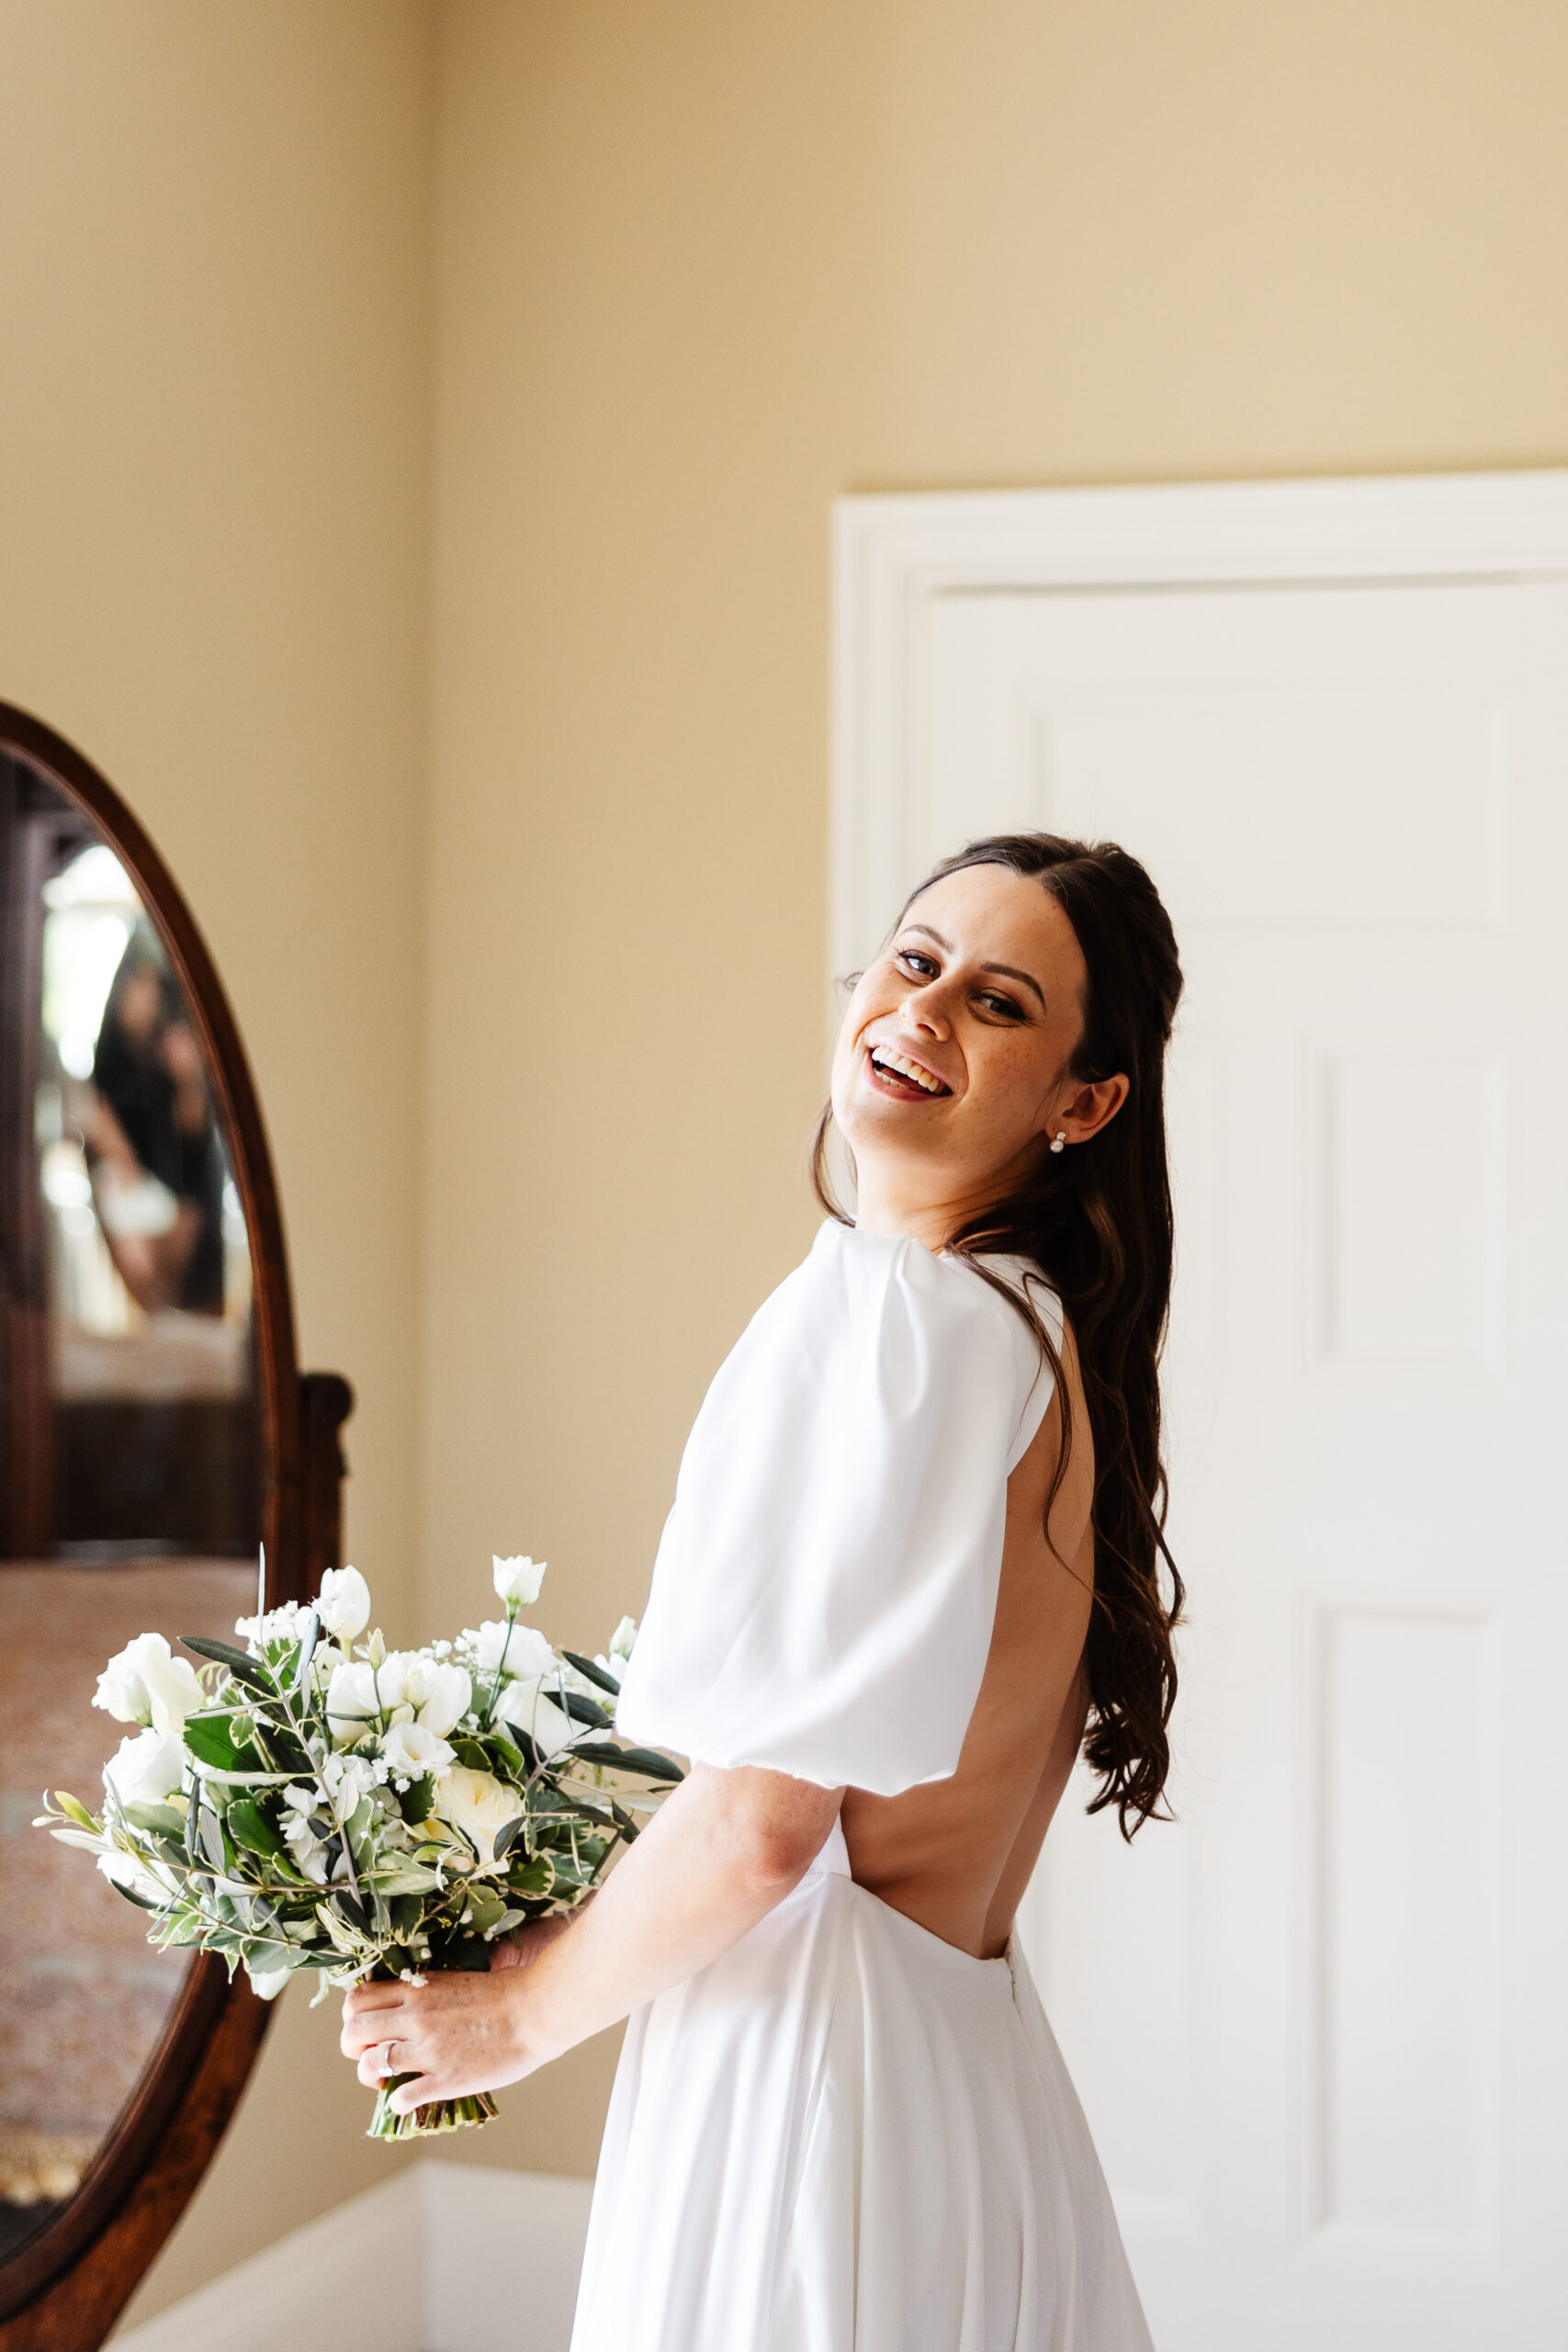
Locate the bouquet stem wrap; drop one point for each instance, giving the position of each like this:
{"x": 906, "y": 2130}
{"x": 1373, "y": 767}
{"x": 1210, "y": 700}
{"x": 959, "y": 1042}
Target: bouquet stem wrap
{"x": 441, "y": 2115}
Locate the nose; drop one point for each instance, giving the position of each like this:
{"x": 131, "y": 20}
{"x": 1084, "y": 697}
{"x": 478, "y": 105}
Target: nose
{"x": 926, "y": 1009}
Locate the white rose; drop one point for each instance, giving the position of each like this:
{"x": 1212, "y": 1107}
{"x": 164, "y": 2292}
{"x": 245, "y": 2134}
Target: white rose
{"x": 440, "y": 1695}
{"x": 146, "y": 1769}
{"x": 515, "y": 1649}
{"x": 344, "y": 1605}
{"x": 147, "y": 1684}
{"x": 524, "y": 1705}
{"x": 479, "y": 1805}
{"x": 412, "y": 1751}
{"x": 352, "y": 1701}
{"x": 517, "y": 1580}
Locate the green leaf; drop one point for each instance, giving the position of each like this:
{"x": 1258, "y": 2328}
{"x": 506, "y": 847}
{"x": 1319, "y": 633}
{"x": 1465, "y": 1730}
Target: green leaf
{"x": 248, "y": 1826}
{"x": 402, "y": 1879}
{"x": 76, "y": 1809}
{"x": 592, "y": 1673}
{"x": 583, "y": 1711}
{"x": 143, "y": 1902}
{"x": 210, "y": 1836}
{"x": 415, "y": 1800}
{"x": 536, "y": 1877}
{"x": 307, "y": 1649}
{"x": 506, "y": 1837}
{"x": 243, "y": 1668}
{"x": 207, "y": 1737}
{"x": 157, "y": 1820}
{"x": 641, "y": 1761}
{"x": 486, "y": 1909}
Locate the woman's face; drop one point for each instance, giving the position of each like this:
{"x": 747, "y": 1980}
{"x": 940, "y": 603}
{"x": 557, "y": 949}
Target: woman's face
{"x": 952, "y": 1067}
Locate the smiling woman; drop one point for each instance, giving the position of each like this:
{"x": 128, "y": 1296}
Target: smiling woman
{"x": 1032, "y": 981}
{"x": 912, "y": 1559}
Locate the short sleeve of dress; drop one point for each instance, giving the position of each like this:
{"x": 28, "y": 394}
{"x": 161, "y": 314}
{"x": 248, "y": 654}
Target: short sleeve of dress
{"x": 825, "y": 1589}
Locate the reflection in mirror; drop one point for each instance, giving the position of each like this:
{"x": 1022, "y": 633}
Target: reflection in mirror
{"x": 129, "y": 1442}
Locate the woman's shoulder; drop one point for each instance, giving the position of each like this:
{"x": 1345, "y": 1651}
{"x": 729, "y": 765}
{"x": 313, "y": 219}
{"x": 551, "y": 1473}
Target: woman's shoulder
{"x": 852, "y": 1270}
{"x": 875, "y": 1324}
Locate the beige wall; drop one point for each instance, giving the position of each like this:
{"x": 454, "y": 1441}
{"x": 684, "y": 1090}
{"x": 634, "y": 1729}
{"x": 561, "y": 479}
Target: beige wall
{"x": 213, "y": 426}
{"x": 699, "y": 266}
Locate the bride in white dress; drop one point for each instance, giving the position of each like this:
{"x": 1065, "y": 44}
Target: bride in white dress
{"x": 912, "y": 1569}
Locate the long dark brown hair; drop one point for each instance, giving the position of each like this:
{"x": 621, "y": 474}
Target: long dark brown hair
{"x": 1097, "y": 1221}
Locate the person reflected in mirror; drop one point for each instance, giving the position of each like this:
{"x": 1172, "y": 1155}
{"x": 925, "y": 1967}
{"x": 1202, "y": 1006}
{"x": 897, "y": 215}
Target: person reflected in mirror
{"x": 151, "y": 1139}
{"x": 912, "y": 1572}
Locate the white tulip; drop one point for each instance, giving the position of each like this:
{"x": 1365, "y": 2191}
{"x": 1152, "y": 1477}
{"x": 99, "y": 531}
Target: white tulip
{"x": 524, "y": 1705}
{"x": 147, "y": 1770}
{"x": 147, "y": 1684}
{"x": 412, "y": 1752}
{"x": 517, "y": 1580}
{"x": 515, "y": 1649}
{"x": 353, "y": 1702}
{"x": 621, "y": 1642}
{"x": 393, "y": 1677}
{"x": 343, "y": 1604}
{"x": 479, "y": 1805}
{"x": 440, "y": 1695}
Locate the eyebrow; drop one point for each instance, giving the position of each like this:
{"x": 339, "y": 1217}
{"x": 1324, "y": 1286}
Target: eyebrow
{"x": 1011, "y": 970}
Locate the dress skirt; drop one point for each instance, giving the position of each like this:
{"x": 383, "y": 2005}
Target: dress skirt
{"x": 846, "y": 2135}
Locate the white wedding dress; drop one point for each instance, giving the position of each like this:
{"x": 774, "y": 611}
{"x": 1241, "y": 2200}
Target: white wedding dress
{"x": 846, "y": 2135}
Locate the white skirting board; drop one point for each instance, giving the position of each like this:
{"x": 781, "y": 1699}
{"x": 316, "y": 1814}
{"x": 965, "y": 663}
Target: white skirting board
{"x": 445, "y": 2257}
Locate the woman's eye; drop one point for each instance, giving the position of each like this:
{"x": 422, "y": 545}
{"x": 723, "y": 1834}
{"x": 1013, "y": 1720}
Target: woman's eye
{"x": 913, "y": 961}
{"x": 1004, "y": 1007}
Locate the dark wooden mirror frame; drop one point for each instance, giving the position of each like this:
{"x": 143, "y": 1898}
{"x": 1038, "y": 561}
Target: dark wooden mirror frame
{"x": 63, "y": 2290}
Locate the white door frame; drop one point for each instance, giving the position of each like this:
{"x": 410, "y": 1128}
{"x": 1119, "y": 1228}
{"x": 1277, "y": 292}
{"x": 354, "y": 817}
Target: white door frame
{"x": 893, "y": 557}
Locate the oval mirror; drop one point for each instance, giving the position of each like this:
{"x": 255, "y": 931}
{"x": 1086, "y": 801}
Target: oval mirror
{"x": 155, "y": 1446}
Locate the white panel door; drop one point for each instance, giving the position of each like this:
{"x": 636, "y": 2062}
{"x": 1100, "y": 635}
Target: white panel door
{"x": 1318, "y": 2024}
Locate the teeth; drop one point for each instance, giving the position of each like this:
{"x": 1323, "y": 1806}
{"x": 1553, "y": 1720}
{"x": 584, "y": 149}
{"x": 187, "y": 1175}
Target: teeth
{"x": 886, "y": 1059}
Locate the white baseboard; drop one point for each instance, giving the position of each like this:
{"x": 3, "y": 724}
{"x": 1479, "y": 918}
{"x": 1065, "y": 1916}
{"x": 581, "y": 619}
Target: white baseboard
{"x": 445, "y": 2257}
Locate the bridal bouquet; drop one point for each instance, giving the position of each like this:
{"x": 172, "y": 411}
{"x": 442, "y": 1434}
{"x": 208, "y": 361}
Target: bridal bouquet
{"x": 316, "y": 1800}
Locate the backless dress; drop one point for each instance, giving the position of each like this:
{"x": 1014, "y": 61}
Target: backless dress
{"x": 845, "y": 2134}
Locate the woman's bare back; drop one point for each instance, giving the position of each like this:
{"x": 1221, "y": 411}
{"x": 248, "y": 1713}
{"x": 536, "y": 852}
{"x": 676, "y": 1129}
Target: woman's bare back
{"x": 956, "y": 1855}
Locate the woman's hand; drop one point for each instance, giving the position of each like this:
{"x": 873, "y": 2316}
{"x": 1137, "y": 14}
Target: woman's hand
{"x": 459, "y": 2033}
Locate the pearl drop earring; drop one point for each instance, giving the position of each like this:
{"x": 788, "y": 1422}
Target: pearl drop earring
{"x": 1061, "y": 1142}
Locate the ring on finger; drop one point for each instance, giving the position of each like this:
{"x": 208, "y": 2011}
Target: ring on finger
{"x": 382, "y": 2055}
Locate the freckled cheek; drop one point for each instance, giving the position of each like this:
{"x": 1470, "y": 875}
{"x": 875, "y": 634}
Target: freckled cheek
{"x": 1008, "y": 1084}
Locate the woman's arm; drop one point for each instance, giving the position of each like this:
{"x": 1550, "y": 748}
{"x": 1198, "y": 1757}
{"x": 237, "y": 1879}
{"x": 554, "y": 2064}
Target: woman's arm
{"x": 724, "y": 1848}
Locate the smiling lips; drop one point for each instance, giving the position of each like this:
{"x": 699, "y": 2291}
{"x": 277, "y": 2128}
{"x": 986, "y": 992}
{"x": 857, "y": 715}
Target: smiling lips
{"x": 908, "y": 1080}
